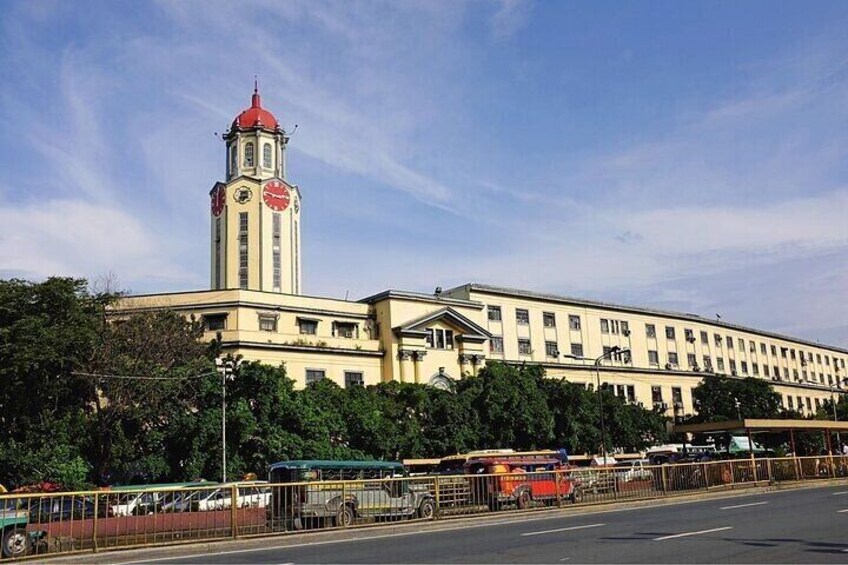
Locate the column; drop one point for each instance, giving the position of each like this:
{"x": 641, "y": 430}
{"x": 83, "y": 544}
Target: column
{"x": 418, "y": 357}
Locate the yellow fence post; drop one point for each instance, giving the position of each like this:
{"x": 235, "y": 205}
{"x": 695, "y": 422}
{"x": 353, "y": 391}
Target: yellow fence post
{"x": 94, "y": 530}
{"x": 557, "y": 476}
{"x": 438, "y": 498}
{"x": 234, "y": 510}
{"x": 664, "y": 478}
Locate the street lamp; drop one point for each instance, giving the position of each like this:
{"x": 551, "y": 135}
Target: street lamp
{"x": 226, "y": 367}
{"x": 615, "y": 350}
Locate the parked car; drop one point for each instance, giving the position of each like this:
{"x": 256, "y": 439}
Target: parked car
{"x": 63, "y": 508}
{"x": 13, "y": 522}
{"x": 635, "y": 470}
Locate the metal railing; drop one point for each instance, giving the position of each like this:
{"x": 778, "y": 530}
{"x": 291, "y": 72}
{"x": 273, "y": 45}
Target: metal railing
{"x": 36, "y": 525}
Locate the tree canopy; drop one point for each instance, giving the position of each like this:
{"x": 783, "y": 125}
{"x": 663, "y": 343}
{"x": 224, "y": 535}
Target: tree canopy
{"x": 90, "y": 395}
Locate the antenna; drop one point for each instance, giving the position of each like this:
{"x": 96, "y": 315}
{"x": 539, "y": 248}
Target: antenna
{"x": 292, "y": 131}
{"x": 347, "y": 293}
{"x": 218, "y": 136}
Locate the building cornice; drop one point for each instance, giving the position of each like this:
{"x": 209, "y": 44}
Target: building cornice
{"x": 301, "y": 348}
{"x": 420, "y": 297}
{"x": 243, "y": 304}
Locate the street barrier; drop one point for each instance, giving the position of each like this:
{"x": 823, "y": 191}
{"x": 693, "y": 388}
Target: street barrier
{"x": 38, "y": 525}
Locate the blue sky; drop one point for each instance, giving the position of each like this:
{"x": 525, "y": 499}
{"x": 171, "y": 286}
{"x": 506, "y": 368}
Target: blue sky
{"x": 683, "y": 155}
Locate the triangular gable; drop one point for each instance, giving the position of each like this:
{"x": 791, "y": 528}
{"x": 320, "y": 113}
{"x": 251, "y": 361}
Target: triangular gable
{"x": 470, "y": 331}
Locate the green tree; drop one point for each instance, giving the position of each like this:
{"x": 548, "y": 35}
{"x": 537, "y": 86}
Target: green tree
{"x": 718, "y": 398}
{"x": 511, "y": 406}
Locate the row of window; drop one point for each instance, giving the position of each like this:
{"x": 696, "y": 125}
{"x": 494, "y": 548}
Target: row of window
{"x": 269, "y": 323}
{"x": 351, "y": 378}
{"x": 522, "y": 317}
{"x": 609, "y": 326}
{"x": 249, "y": 158}
{"x": 790, "y": 403}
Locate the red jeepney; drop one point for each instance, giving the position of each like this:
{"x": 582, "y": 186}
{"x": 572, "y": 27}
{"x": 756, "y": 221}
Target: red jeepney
{"x": 499, "y": 481}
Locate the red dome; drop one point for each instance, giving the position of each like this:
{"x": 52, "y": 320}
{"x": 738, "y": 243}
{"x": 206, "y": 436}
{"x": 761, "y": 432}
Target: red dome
{"x": 256, "y": 116}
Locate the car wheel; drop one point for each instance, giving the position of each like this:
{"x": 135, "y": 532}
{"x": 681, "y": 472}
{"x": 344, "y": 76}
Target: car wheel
{"x": 427, "y": 510}
{"x": 576, "y": 495}
{"x": 345, "y": 516}
{"x": 15, "y": 542}
{"x": 524, "y": 499}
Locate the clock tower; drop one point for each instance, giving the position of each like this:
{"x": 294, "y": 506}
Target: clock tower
{"x": 255, "y": 227}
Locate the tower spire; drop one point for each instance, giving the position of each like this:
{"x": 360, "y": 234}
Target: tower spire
{"x": 255, "y": 102}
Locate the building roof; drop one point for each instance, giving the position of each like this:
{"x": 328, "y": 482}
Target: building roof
{"x": 256, "y": 116}
{"x": 470, "y": 329}
{"x": 420, "y": 297}
{"x": 582, "y": 302}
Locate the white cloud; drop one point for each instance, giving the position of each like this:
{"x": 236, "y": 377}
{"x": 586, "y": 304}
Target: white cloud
{"x": 75, "y": 238}
{"x": 510, "y": 17}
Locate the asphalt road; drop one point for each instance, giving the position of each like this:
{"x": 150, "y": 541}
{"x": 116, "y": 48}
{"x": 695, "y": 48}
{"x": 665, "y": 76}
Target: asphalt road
{"x": 798, "y": 526}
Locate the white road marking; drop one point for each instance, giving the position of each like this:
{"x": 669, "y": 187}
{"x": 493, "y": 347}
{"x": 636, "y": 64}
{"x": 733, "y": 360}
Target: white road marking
{"x": 563, "y": 529}
{"x": 686, "y": 534}
{"x": 840, "y": 511}
{"x": 742, "y": 505}
{"x": 840, "y": 492}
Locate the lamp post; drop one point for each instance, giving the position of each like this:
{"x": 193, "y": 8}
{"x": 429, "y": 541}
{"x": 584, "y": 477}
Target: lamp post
{"x": 226, "y": 367}
{"x": 835, "y": 418}
{"x": 597, "y": 364}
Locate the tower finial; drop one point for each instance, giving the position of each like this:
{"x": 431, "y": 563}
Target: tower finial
{"x": 254, "y": 102}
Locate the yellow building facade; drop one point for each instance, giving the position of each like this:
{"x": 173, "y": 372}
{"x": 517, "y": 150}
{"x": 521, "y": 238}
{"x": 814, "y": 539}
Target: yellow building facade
{"x": 257, "y": 307}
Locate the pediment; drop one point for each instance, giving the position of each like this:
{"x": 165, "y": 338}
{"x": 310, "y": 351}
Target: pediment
{"x": 467, "y": 330}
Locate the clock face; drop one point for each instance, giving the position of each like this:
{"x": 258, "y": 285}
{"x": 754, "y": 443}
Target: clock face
{"x": 276, "y": 196}
{"x": 219, "y": 198}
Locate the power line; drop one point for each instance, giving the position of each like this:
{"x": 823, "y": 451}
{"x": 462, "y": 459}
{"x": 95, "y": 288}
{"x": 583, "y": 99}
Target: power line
{"x": 140, "y": 377}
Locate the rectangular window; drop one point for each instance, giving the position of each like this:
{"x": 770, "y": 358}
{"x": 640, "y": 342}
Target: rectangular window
{"x": 783, "y": 351}
{"x": 656, "y": 395}
{"x": 604, "y": 326}
{"x": 276, "y": 261}
{"x": 494, "y": 313}
{"x": 790, "y": 403}
{"x": 625, "y": 328}
{"x": 776, "y": 371}
{"x": 708, "y": 363}
{"x": 669, "y": 332}
{"x": 574, "y": 322}
{"x": 795, "y": 374}
{"x": 744, "y": 365}
{"x": 741, "y": 344}
{"x": 653, "y": 358}
{"x": 693, "y": 361}
{"x": 267, "y": 323}
{"x": 551, "y": 349}
{"x": 607, "y": 349}
{"x": 729, "y": 341}
{"x": 577, "y": 349}
{"x": 218, "y": 268}
{"x": 763, "y": 348}
{"x": 732, "y": 367}
{"x": 672, "y": 359}
{"x": 818, "y": 358}
{"x": 354, "y": 378}
{"x": 827, "y": 360}
{"x": 242, "y": 238}
{"x": 792, "y": 354}
{"x": 800, "y": 403}
{"x": 756, "y": 369}
{"x": 689, "y": 334}
{"x": 314, "y": 375}
{"x": 650, "y": 330}
{"x": 496, "y": 345}
{"x": 677, "y": 396}
{"x": 549, "y": 320}
{"x": 347, "y": 330}
{"x": 214, "y": 322}
{"x": 522, "y": 316}
{"x": 614, "y": 326}
{"x": 631, "y": 393}
{"x": 705, "y": 338}
{"x": 717, "y": 339}
{"x": 765, "y": 370}
{"x": 307, "y": 327}
{"x": 809, "y": 404}
{"x": 786, "y": 373}
{"x": 720, "y": 364}
{"x": 440, "y": 338}
{"x": 524, "y": 347}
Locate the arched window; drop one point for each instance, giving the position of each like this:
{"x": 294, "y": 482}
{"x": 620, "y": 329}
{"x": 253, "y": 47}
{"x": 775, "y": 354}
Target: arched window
{"x": 248, "y": 154}
{"x": 266, "y": 156}
{"x": 233, "y": 159}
